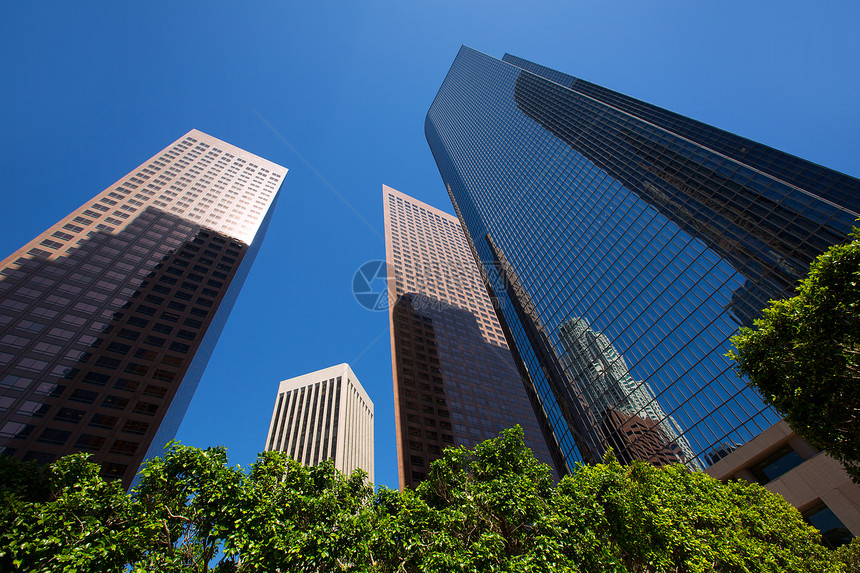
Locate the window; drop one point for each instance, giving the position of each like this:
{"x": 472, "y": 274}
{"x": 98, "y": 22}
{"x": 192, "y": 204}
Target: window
{"x": 69, "y": 415}
{"x": 118, "y": 348}
{"x": 147, "y": 310}
{"x": 89, "y": 442}
{"x": 54, "y": 436}
{"x": 124, "y": 447}
{"x": 106, "y": 362}
{"x": 115, "y": 403}
{"x": 135, "y": 427}
{"x": 164, "y": 375}
{"x": 128, "y": 334}
{"x": 113, "y": 471}
{"x": 127, "y": 385}
{"x": 179, "y": 347}
{"x": 155, "y": 391}
{"x": 186, "y": 335}
{"x": 62, "y": 236}
{"x": 831, "y": 527}
{"x": 96, "y": 378}
{"x": 83, "y": 396}
{"x": 155, "y": 340}
{"x": 175, "y": 361}
{"x": 145, "y": 408}
{"x": 103, "y": 421}
{"x": 138, "y": 369}
{"x": 137, "y": 321}
{"x": 782, "y": 461}
{"x": 162, "y": 328}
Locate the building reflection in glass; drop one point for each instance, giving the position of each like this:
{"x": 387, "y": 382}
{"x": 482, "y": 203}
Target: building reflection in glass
{"x": 633, "y": 422}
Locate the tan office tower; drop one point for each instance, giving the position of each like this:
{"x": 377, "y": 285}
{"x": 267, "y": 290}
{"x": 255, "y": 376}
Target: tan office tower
{"x": 108, "y": 318}
{"x": 324, "y": 415}
{"x": 455, "y": 381}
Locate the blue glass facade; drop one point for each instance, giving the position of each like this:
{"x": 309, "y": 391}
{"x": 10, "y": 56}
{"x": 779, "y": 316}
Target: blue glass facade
{"x": 623, "y": 246}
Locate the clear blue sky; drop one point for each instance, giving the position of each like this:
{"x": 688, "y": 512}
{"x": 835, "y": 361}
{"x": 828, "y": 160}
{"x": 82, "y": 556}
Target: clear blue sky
{"x": 90, "y": 90}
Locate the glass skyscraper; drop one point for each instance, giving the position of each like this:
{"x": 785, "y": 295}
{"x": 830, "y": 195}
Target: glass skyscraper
{"x": 624, "y": 245}
{"x": 108, "y": 318}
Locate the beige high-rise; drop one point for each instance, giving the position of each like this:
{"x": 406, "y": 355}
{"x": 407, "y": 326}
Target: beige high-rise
{"x": 107, "y": 319}
{"x": 324, "y": 415}
{"x": 455, "y": 381}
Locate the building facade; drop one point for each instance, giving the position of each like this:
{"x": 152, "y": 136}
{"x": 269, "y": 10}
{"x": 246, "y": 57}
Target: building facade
{"x": 455, "y": 382}
{"x": 108, "y": 318}
{"x": 808, "y": 479}
{"x": 592, "y": 212}
{"x": 324, "y": 415}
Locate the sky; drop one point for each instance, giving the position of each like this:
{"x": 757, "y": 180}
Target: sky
{"x": 337, "y": 92}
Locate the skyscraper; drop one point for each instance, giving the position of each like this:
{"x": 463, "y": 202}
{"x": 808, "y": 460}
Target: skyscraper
{"x": 324, "y": 415}
{"x": 108, "y": 318}
{"x": 455, "y": 382}
{"x": 592, "y": 212}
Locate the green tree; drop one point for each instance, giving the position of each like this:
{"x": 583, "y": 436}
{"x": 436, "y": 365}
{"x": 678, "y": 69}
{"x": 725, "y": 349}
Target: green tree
{"x": 803, "y": 355}
{"x": 494, "y": 508}
{"x": 185, "y": 503}
{"x": 296, "y": 518}
{"x": 849, "y": 556}
{"x": 87, "y": 524}
{"x": 641, "y": 518}
{"x": 189, "y": 513}
{"x": 478, "y": 510}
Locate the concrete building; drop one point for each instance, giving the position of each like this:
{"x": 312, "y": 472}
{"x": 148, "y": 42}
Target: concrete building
{"x": 808, "y": 479}
{"x": 324, "y": 415}
{"x": 455, "y": 382}
{"x": 108, "y": 318}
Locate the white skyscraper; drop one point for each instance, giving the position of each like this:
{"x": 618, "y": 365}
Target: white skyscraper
{"x": 324, "y": 415}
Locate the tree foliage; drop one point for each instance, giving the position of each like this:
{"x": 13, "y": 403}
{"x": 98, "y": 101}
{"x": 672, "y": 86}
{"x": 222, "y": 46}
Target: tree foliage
{"x": 804, "y": 355}
{"x": 849, "y": 556}
{"x": 494, "y": 508}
